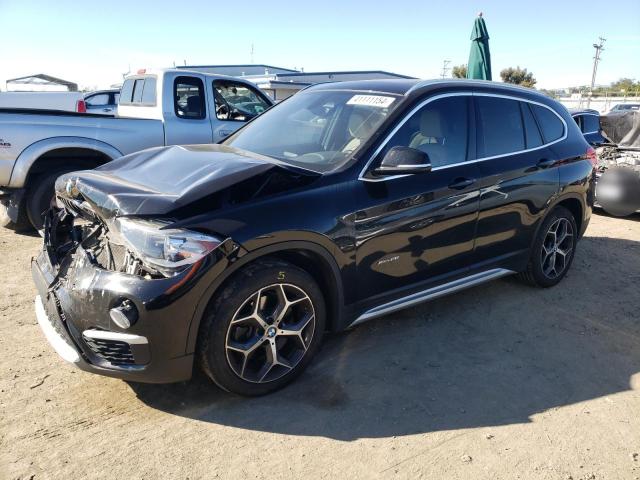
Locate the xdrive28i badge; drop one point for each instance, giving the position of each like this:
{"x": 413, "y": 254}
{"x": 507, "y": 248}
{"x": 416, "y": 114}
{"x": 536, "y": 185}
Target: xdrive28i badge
{"x": 4, "y": 144}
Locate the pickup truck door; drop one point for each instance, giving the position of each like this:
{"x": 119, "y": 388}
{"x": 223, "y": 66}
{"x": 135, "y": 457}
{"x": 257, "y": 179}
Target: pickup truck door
{"x": 185, "y": 113}
{"x": 234, "y": 104}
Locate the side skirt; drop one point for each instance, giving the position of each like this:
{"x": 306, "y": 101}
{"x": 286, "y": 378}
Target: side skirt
{"x": 431, "y": 293}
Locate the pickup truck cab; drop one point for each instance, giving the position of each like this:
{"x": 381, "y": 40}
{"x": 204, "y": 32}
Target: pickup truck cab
{"x": 156, "y": 108}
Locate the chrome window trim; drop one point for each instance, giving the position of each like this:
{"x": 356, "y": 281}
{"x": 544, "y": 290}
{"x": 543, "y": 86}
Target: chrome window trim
{"x": 459, "y": 94}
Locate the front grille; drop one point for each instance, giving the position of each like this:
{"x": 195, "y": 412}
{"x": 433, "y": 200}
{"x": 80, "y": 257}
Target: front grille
{"x": 110, "y": 256}
{"x": 116, "y": 353}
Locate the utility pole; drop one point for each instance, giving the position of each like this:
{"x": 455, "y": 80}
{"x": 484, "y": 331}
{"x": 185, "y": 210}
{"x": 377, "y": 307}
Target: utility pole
{"x": 445, "y": 68}
{"x": 596, "y": 59}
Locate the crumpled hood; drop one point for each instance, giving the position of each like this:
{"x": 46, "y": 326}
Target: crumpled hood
{"x": 159, "y": 180}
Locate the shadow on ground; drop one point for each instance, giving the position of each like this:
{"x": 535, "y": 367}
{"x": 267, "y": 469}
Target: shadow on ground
{"x": 493, "y": 355}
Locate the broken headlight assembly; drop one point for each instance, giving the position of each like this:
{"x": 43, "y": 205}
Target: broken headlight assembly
{"x": 163, "y": 250}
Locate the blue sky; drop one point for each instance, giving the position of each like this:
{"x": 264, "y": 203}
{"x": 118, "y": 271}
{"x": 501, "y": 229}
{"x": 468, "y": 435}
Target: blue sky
{"x": 93, "y": 43}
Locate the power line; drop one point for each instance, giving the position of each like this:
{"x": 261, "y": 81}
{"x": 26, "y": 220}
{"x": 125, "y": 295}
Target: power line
{"x": 445, "y": 68}
{"x": 596, "y": 59}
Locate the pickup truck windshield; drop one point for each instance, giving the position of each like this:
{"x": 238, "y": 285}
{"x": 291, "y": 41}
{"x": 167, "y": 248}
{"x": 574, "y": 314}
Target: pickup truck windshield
{"x": 316, "y": 130}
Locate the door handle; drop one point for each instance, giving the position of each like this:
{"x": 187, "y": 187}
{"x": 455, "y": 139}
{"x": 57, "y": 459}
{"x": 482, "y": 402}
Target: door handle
{"x": 462, "y": 183}
{"x": 546, "y": 163}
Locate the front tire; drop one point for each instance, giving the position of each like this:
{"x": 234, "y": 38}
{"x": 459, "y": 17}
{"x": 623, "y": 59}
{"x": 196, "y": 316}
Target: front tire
{"x": 553, "y": 249}
{"x": 262, "y": 329}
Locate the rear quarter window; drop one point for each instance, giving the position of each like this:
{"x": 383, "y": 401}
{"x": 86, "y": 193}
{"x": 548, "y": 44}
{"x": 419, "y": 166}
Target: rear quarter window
{"x": 149, "y": 91}
{"x": 532, "y": 133}
{"x": 550, "y": 124}
{"x": 139, "y": 92}
{"x": 126, "y": 93}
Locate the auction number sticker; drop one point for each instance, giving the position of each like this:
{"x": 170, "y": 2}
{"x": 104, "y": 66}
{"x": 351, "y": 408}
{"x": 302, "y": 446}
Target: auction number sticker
{"x": 371, "y": 101}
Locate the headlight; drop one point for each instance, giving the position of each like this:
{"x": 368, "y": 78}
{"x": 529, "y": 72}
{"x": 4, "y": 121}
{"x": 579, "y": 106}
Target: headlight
{"x": 167, "y": 251}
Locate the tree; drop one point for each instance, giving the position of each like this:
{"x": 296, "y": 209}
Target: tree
{"x": 518, "y": 76}
{"x": 629, "y": 85}
{"x": 459, "y": 71}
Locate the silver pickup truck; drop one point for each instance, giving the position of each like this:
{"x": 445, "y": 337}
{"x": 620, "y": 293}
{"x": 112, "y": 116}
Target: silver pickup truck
{"x": 160, "y": 107}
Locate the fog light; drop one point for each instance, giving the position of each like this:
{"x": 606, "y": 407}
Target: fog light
{"x": 125, "y": 314}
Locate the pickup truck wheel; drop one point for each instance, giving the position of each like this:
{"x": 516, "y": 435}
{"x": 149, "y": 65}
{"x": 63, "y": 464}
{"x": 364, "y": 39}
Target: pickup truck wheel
{"x": 39, "y": 197}
{"x": 262, "y": 329}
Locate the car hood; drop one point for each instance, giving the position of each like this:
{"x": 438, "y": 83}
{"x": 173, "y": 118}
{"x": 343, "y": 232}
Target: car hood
{"x": 161, "y": 180}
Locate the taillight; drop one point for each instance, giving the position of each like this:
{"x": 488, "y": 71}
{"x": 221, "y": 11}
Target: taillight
{"x": 592, "y": 156}
{"x": 81, "y": 107}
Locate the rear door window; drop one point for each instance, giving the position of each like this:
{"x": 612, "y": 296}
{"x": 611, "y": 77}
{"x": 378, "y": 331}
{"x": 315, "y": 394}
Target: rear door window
{"x": 500, "y": 128}
{"x": 550, "y": 124}
{"x": 532, "y": 133}
{"x": 188, "y": 94}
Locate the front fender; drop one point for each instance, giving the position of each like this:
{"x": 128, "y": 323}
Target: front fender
{"x": 29, "y": 155}
{"x": 246, "y": 257}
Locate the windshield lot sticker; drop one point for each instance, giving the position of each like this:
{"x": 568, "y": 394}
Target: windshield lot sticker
{"x": 371, "y": 101}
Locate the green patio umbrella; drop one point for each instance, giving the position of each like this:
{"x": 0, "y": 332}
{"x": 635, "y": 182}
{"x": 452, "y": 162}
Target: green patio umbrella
{"x": 479, "y": 66}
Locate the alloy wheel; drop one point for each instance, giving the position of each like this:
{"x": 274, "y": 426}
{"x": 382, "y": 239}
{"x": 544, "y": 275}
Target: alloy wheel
{"x": 270, "y": 333}
{"x": 557, "y": 248}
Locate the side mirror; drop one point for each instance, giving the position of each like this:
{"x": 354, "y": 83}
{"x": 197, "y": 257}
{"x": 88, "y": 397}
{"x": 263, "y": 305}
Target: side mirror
{"x": 403, "y": 161}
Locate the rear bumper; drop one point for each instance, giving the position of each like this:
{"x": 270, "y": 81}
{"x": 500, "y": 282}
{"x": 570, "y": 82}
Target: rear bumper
{"x": 76, "y": 323}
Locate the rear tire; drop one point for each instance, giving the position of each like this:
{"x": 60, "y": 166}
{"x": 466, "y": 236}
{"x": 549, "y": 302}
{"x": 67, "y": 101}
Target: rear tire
{"x": 553, "y": 249}
{"x": 268, "y": 310}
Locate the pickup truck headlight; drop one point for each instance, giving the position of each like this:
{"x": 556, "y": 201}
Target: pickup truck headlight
{"x": 167, "y": 251}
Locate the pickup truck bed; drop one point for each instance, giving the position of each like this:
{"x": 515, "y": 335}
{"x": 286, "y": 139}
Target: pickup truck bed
{"x": 159, "y": 108}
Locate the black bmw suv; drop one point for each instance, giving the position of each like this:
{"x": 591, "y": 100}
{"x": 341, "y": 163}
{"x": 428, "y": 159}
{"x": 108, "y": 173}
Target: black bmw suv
{"x": 346, "y": 202}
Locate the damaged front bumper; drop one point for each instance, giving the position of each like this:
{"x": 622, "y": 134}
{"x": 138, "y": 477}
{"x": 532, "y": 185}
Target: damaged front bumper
{"x": 73, "y": 306}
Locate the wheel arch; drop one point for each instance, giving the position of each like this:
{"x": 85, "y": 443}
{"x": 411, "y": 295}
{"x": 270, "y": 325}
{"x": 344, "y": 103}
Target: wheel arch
{"x": 311, "y": 257}
{"x": 575, "y": 206}
{"x": 48, "y": 153}
{"x": 572, "y": 202}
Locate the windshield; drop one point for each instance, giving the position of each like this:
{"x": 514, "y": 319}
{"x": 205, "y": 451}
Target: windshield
{"x": 317, "y": 130}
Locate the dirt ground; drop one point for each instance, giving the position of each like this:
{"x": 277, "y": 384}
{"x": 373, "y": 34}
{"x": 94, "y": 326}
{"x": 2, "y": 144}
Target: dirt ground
{"x": 501, "y": 381}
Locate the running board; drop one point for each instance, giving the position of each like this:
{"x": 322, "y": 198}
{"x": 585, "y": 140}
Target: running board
{"x": 431, "y": 293}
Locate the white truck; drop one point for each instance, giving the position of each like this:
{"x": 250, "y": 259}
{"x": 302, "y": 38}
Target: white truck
{"x": 66, "y": 101}
{"x": 160, "y": 107}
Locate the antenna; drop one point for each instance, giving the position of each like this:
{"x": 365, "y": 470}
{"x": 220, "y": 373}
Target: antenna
{"x": 252, "y": 54}
{"x": 596, "y": 59}
{"x": 445, "y": 68}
